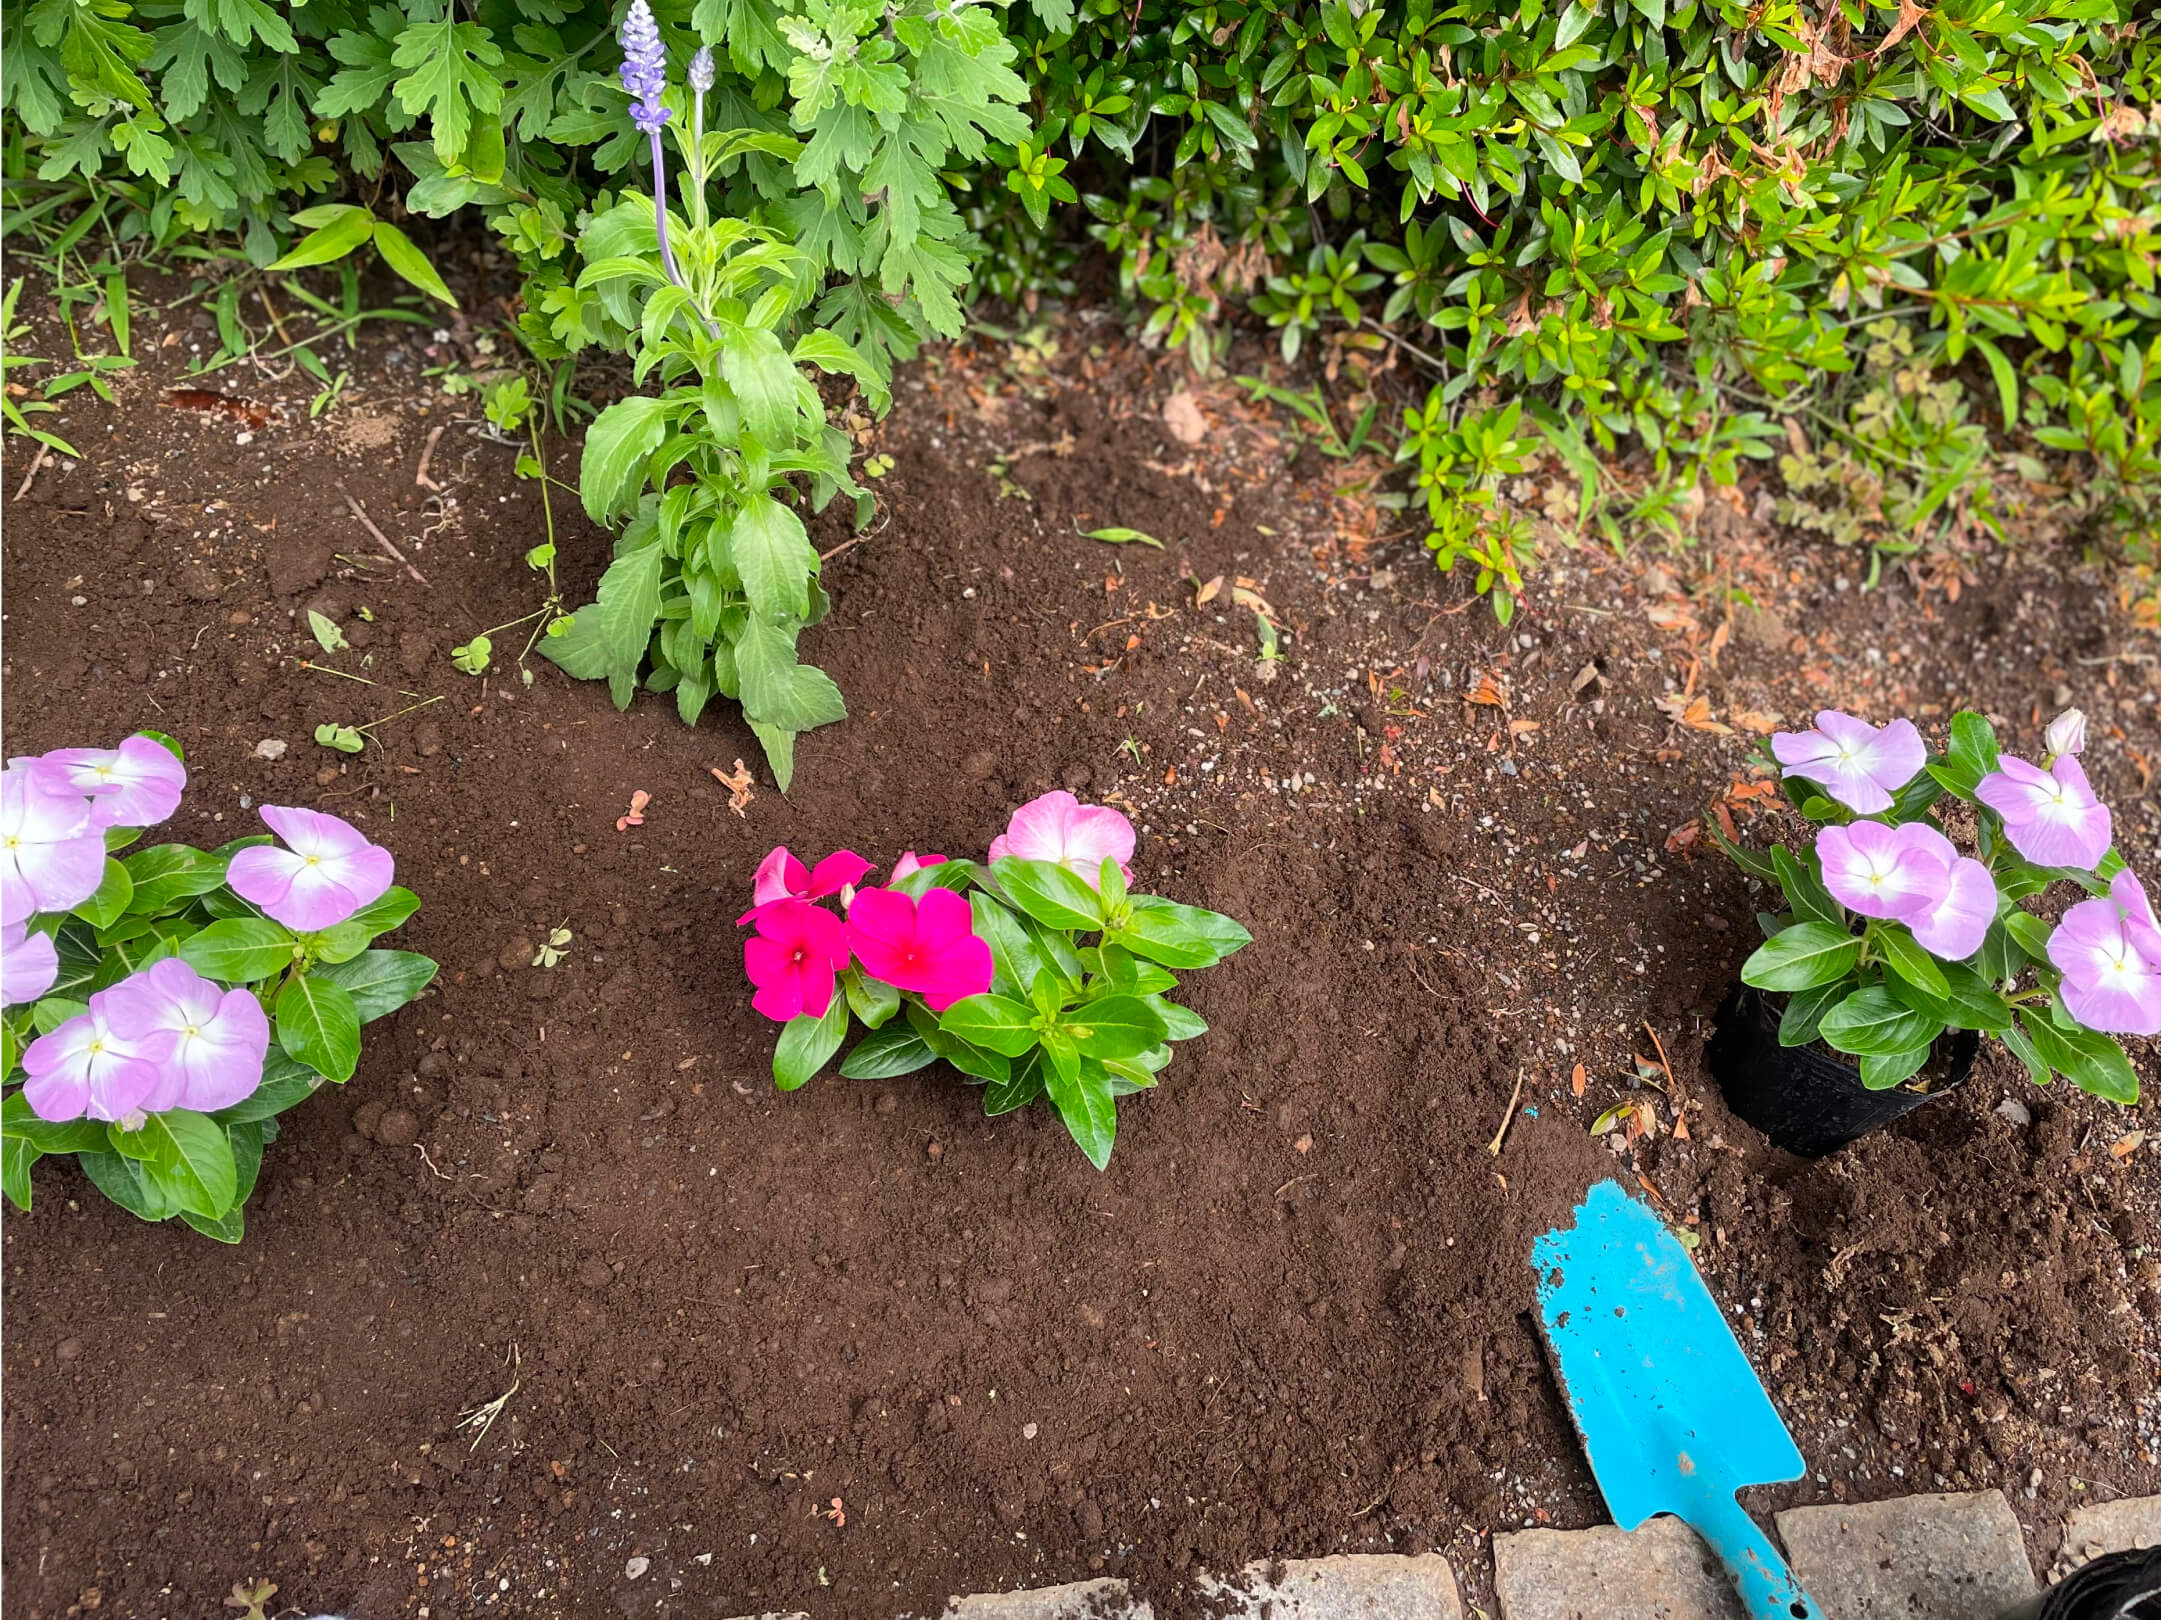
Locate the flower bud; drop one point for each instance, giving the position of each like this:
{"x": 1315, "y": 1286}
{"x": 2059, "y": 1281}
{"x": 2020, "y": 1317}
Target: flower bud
{"x": 2066, "y": 733}
{"x": 701, "y": 70}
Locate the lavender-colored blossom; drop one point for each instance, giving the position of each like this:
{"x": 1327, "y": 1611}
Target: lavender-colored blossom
{"x": 137, "y": 784}
{"x": 1859, "y": 765}
{"x": 51, "y": 857}
{"x": 2051, "y": 816}
{"x": 327, "y": 871}
{"x": 645, "y": 67}
{"x": 86, "y": 1067}
{"x": 701, "y": 73}
{"x": 2109, "y": 952}
{"x": 207, "y": 1043}
{"x": 1880, "y": 871}
{"x": 2066, "y": 733}
{"x": 1952, "y": 924}
{"x": 28, "y": 965}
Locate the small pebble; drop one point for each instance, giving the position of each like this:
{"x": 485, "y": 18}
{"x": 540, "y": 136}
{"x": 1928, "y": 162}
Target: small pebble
{"x": 937, "y": 1151}
{"x": 636, "y": 1567}
{"x": 271, "y": 748}
{"x": 1027, "y": 1431}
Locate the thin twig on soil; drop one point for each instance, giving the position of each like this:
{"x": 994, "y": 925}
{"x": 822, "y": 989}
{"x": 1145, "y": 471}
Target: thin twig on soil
{"x": 1311, "y": 1175}
{"x": 37, "y": 463}
{"x": 482, "y": 1418}
{"x": 381, "y": 539}
{"x": 427, "y": 454}
{"x": 1500, "y": 1136}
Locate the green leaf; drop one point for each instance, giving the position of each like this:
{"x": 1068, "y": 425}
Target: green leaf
{"x": 612, "y": 469}
{"x": 285, "y": 1084}
{"x": 773, "y": 554}
{"x": 188, "y": 1155}
{"x": 1080, "y": 1090}
{"x": 1018, "y": 1090}
{"x": 1804, "y": 890}
{"x": 446, "y": 75}
{"x": 327, "y": 635}
{"x": 165, "y": 873}
{"x": 230, "y": 1227}
{"x": 345, "y": 739}
{"x": 2029, "y": 932}
{"x": 1872, "y": 1022}
{"x": 974, "y": 1061}
{"x": 1122, "y": 537}
{"x": 1880, "y": 1071}
{"x": 403, "y": 256}
{"x": 808, "y": 1043}
{"x": 995, "y": 1023}
{"x": 380, "y": 982}
{"x": 386, "y": 911}
{"x": 620, "y": 618}
{"x": 16, "y": 1158}
{"x": 340, "y": 227}
{"x": 1118, "y": 1027}
{"x": 1178, "y": 936}
{"x": 776, "y": 690}
{"x": 110, "y": 903}
{"x": 873, "y": 1001}
{"x": 2088, "y": 1059}
{"x": 240, "y": 950}
{"x": 1053, "y": 895}
{"x": 1970, "y": 755}
{"x": 887, "y": 1052}
{"x": 764, "y": 380}
{"x": 319, "y": 1026}
{"x": 1804, "y": 1011}
{"x": 126, "y": 1183}
{"x": 1903, "y": 954}
{"x": 1802, "y": 957}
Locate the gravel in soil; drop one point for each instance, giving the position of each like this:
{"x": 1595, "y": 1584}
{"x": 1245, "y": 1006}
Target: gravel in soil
{"x": 858, "y": 1347}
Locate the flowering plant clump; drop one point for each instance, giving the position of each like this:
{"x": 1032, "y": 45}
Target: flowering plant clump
{"x": 1892, "y": 935}
{"x": 163, "y": 1008}
{"x": 1035, "y": 973}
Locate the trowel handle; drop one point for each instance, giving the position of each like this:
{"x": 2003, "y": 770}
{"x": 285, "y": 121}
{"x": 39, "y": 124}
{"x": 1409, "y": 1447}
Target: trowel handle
{"x": 1767, "y": 1587}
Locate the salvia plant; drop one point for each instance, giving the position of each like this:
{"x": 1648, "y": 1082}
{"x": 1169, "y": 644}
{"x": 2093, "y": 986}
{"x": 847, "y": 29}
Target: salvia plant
{"x": 1035, "y": 973}
{"x": 1891, "y": 933}
{"x": 163, "y": 1007}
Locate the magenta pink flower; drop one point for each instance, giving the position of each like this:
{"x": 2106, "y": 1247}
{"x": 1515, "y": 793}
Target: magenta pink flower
{"x": 85, "y": 1067}
{"x": 137, "y": 784}
{"x": 928, "y": 945}
{"x": 28, "y": 965}
{"x": 793, "y": 958}
{"x": 1881, "y": 871}
{"x": 327, "y": 871}
{"x": 2109, "y": 952}
{"x": 1858, "y": 765}
{"x": 2051, "y": 816}
{"x": 781, "y": 876}
{"x": 1058, "y": 827}
{"x": 911, "y": 863}
{"x": 1953, "y": 924}
{"x": 52, "y": 858}
{"x": 207, "y": 1043}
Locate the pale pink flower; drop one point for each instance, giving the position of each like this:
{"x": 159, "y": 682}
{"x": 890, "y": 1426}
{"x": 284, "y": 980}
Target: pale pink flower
{"x": 327, "y": 871}
{"x": 28, "y": 964}
{"x": 2051, "y": 816}
{"x": 1858, "y": 765}
{"x": 137, "y": 784}
{"x": 1058, "y": 827}
{"x": 2109, "y": 952}
{"x": 1881, "y": 871}
{"x": 207, "y": 1043}
{"x": 780, "y": 876}
{"x": 51, "y": 856}
{"x": 1953, "y": 924}
{"x": 85, "y": 1067}
{"x": 911, "y": 863}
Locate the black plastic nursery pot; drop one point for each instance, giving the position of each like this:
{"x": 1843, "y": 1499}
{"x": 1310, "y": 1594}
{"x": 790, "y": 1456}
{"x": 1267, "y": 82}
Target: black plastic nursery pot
{"x": 2118, "y": 1586}
{"x": 1805, "y": 1099}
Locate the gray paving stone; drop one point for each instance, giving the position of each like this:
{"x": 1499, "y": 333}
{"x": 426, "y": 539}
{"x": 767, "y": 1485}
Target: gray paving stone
{"x": 1660, "y": 1572}
{"x": 1956, "y": 1557}
{"x": 1079, "y": 1600}
{"x": 1350, "y": 1586}
{"x": 2106, "y": 1527}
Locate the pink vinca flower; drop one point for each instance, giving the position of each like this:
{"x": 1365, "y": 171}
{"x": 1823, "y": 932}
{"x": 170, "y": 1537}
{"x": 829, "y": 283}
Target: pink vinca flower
{"x": 51, "y": 857}
{"x": 1952, "y": 925}
{"x": 2066, "y": 733}
{"x": 793, "y": 958}
{"x": 1858, "y": 765}
{"x": 2109, "y": 952}
{"x": 137, "y": 784}
{"x": 28, "y": 965}
{"x": 1881, "y": 871}
{"x": 911, "y": 863}
{"x": 86, "y": 1067}
{"x": 928, "y": 945}
{"x": 327, "y": 871}
{"x": 781, "y": 876}
{"x": 1079, "y": 837}
{"x": 2051, "y": 816}
{"x": 208, "y": 1043}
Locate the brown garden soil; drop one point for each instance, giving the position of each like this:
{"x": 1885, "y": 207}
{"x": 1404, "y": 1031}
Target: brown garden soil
{"x": 855, "y": 1348}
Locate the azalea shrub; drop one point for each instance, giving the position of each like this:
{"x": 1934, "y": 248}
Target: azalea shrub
{"x": 1035, "y": 973}
{"x": 1891, "y": 933}
{"x": 163, "y": 1007}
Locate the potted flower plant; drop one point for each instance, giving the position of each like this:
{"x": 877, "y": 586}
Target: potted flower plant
{"x": 1894, "y": 950}
{"x": 1036, "y": 973}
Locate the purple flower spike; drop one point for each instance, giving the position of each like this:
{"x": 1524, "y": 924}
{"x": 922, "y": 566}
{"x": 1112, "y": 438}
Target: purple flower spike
{"x": 1953, "y": 924}
{"x": 2109, "y": 952}
{"x": 645, "y": 67}
{"x": 2051, "y": 816}
{"x": 51, "y": 857}
{"x": 1880, "y": 871}
{"x": 327, "y": 871}
{"x": 137, "y": 784}
{"x": 207, "y": 1043}
{"x": 1858, "y": 765}
{"x": 28, "y": 965}
{"x": 86, "y": 1067}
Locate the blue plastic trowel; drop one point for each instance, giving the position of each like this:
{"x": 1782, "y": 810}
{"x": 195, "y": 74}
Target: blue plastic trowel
{"x": 1672, "y": 1416}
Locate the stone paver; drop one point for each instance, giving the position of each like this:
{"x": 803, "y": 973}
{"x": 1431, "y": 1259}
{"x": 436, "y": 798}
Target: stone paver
{"x": 2106, "y": 1527}
{"x": 1350, "y": 1586}
{"x": 1080, "y": 1600}
{"x": 1950, "y": 1557}
{"x": 1660, "y": 1572}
